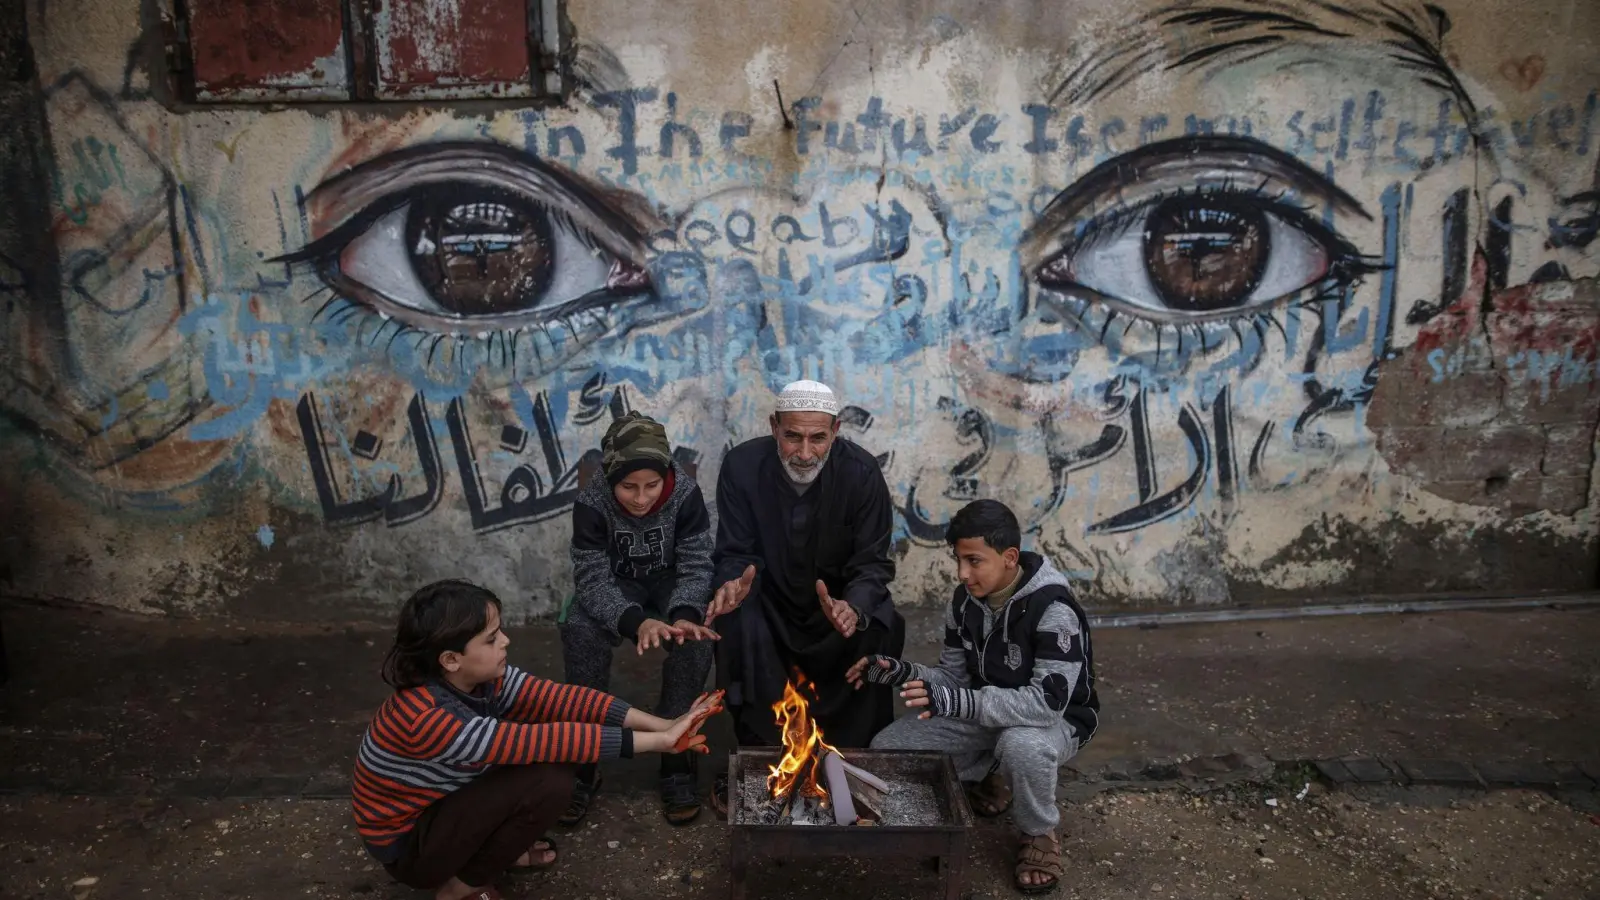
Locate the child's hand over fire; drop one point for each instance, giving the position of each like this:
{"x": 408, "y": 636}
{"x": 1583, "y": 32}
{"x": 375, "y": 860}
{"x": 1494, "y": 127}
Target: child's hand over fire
{"x": 686, "y": 728}
{"x": 675, "y": 735}
{"x": 878, "y": 669}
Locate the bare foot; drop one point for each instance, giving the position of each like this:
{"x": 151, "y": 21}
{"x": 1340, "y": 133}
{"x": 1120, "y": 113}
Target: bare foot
{"x": 540, "y": 855}
{"x": 456, "y": 889}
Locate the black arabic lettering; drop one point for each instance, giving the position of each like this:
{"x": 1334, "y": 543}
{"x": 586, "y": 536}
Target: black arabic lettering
{"x": 1064, "y": 463}
{"x": 334, "y": 511}
{"x": 1227, "y": 460}
{"x": 409, "y": 509}
{"x": 972, "y": 426}
{"x": 522, "y": 496}
{"x": 1154, "y": 508}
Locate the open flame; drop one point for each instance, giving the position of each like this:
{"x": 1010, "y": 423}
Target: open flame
{"x": 803, "y": 749}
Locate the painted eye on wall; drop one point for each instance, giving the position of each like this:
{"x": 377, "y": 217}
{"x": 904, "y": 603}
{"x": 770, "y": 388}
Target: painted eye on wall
{"x": 465, "y": 238}
{"x": 1199, "y": 229}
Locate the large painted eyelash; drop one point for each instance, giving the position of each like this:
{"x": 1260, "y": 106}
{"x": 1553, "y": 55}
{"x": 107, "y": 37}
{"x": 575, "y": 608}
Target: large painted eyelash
{"x": 1118, "y": 221}
{"x": 499, "y": 346}
{"x": 328, "y": 246}
{"x": 1101, "y": 320}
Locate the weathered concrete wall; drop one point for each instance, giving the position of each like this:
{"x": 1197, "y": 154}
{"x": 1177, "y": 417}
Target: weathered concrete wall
{"x": 1233, "y": 303}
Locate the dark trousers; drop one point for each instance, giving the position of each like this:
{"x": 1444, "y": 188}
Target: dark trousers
{"x": 586, "y": 650}
{"x": 478, "y": 831}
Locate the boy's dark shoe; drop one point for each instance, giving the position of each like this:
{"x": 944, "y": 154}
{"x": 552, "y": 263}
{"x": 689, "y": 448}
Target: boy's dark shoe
{"x": 680, "y": 782}
{"x": 582, "y": 794}
{"x": 680, "y": 803}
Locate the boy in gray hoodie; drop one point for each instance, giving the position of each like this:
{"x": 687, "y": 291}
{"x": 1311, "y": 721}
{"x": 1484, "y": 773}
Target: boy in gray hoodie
{"x": 1012, "y": 697}
{"x": 641, "y": 560}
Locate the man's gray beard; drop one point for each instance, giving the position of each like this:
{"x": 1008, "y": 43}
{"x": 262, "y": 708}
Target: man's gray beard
{"x": 805, "y": 476}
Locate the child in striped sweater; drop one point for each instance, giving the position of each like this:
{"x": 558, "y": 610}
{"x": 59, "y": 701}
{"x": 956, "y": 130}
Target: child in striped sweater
{"x": 469, "y": 762}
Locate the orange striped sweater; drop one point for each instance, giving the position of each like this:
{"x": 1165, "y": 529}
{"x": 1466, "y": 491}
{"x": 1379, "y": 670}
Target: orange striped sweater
{"x": 427, "y": 741}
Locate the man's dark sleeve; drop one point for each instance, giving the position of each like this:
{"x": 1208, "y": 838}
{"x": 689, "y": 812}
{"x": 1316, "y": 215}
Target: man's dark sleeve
{"x": 869, "y": 570}
{"x": 736, "y": 533}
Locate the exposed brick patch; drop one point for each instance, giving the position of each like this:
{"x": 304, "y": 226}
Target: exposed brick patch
{"x": 1470, "y": 399}
{"x": 1498, "y": 410}
{"x": 1567, "y": 496}
{"x": 1568, "y": 450}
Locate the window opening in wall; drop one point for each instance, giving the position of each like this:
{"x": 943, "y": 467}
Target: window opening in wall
{"x": 318, "y": 51}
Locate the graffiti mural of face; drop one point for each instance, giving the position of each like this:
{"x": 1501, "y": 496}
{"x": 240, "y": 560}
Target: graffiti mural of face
{"x": 1208, "y": 249}
{"x": 1118, "y": 265}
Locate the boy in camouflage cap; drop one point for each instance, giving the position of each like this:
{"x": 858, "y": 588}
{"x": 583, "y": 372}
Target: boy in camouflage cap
{"x": 641, "y": 557}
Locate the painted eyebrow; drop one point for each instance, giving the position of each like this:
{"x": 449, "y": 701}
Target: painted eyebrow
{"x": 1194, "y": 34}
{"x": 1134, "y": 166}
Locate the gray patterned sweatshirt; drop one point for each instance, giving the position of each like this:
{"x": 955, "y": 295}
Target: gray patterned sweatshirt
{"x": 1029, "y": 663}
{"x": 608, "y": 546}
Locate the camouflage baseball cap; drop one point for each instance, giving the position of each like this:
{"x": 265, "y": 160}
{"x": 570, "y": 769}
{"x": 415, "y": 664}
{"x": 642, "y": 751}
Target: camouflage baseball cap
{"x": 634, "y": 442}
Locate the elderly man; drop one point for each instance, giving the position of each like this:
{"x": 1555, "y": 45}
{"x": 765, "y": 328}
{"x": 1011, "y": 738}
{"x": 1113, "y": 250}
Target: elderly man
{"x": 803, "y": 568}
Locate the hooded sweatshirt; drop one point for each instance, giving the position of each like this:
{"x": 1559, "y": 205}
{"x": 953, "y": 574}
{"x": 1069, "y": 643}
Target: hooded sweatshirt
{"x": 1028, "y": 663}
{"x": 673, "y": 539}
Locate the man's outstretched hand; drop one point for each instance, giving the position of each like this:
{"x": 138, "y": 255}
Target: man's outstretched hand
{"x": 730, "y": 595}
{"x": 841, "y": 614}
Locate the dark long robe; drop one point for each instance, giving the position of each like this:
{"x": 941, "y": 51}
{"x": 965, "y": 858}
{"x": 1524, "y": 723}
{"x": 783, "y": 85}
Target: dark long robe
{"x": 838, "y": 531}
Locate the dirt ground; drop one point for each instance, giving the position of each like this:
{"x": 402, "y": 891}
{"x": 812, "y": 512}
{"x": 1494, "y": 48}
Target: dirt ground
{"x": 1230, "y": 845}
{"x": 113, "y": 727}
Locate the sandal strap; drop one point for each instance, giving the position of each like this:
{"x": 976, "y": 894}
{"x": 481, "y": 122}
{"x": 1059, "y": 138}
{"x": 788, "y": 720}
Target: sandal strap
{"x": 991, "y": 796}
{"x": 1040, "y": 853}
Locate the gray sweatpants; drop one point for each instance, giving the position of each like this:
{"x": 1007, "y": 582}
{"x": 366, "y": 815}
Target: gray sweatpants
{"x": 1028, "y": 757}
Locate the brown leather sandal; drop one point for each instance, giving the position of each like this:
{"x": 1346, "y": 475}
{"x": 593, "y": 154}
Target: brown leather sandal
{"x": 991, "y": 796}
{"x": 1038, "y": 854}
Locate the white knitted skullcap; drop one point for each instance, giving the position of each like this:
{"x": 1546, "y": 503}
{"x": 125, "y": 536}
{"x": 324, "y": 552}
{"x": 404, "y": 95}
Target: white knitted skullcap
{"x": 808, "y": 396}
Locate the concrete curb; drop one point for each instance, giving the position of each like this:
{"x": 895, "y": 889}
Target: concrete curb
{"x": 1198, "y": 773}
{"x": 1553, "y": 775}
